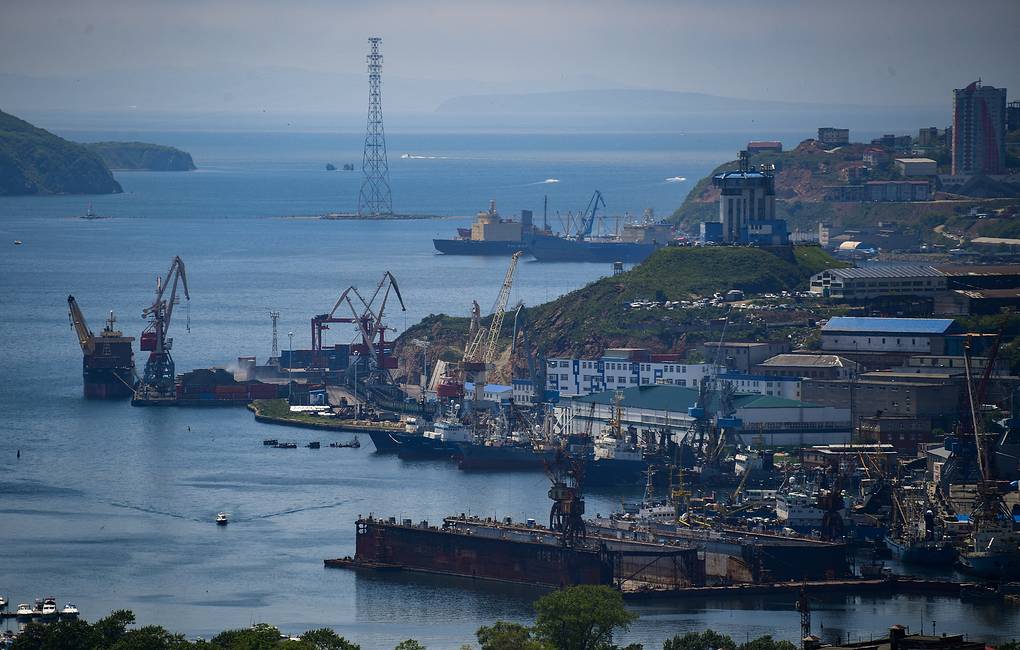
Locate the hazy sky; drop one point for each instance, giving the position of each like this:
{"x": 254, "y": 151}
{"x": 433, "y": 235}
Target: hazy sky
{"x": 860, "y": 51}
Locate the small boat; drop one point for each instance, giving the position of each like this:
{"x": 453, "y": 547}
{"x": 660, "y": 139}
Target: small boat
{"x": 222, "y": 519}
{"x": 69, "y": 611}
{"x": 270, "y": 442}
{"x": 24, "y": 612}
{"x": 313, "y": 445}
{"x": 17, "y": 242}
{"x": 353, "y": 444}
{"x": 49, "y": 608}
{"x": 286, "y": 445}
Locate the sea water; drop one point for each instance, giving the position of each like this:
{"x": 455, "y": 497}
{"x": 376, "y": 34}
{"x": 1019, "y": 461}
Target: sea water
{"x": 111, "y": 506}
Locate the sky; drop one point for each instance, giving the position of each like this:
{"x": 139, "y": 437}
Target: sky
{"x": 249, "y": 55}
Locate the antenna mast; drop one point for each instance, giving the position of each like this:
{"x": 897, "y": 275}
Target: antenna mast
{"x": 374, "y": 198}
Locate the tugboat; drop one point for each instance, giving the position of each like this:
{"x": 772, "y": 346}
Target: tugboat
{"x": 222, "y": 519}
{"x": 69, "y": 612}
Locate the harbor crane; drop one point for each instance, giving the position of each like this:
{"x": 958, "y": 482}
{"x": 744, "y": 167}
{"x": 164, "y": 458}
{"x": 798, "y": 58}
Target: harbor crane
{"x": 158, "y": 378}
{"x": 480, "y": 351}
{"x": 367, "y": 315}
{"x": 86, "y": 338}
{"x": 588, "y": 216}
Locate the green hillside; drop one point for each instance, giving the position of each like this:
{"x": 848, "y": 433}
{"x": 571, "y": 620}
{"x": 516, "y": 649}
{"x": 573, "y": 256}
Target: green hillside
{"x": 142, "y": 156}
{"x": 599, "y": 315}
{"x": 34, "y": 161}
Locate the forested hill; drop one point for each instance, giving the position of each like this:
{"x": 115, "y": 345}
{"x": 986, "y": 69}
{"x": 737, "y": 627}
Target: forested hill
{"x": 34, "y": 161}
{"x": 142, "y": 156}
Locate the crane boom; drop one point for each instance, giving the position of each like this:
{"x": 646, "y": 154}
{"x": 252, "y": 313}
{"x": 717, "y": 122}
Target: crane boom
{"x": 85, "y": 337}
{"x": 500, "y": 311}
{"x": 588, "y": 218}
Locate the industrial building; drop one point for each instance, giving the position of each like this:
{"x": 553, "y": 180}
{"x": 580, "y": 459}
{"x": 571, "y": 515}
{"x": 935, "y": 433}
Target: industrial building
{"x": 817, "y": 366}
{"x": 878, "y": 281}
{"x": 742, "y": 355}
{"x": 899, "y": 335}
{"x": 768, "y": 385}
{"x": 890, "y": 394}
{"x": 914, "y": 167}
{"x": 764, "y": 146}
{"x": 979, "y": 130}
{"x": 622, "y": 368}
{"x": 780, "y": 422}
{"x": 982, "y": 302}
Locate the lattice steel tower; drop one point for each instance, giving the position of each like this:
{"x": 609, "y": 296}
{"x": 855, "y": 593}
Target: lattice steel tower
{"x": 374, "y": 198}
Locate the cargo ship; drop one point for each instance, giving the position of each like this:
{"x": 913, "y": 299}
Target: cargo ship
{"x": 108, "y": 360}
{"x": 492, "y": 235}
{"x": 634, "y": 244}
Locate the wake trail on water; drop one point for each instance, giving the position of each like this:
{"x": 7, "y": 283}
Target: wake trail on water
{"x": 325, "y": 506}
{"x": 153, "y": 511}
{"x": 548, "y": 181}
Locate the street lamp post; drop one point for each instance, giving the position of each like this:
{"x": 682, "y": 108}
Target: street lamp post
{"x": 290, "y": 365}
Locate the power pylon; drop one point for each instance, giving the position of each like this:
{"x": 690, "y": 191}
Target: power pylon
{"x": 374, "y": 198}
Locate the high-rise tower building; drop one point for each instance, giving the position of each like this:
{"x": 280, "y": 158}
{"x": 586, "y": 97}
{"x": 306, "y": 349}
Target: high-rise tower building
{"x": 374, "y": 198}
{"x": 979, "y": 130}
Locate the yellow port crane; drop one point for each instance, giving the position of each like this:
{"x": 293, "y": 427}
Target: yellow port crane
{"x": 480, "y": 351}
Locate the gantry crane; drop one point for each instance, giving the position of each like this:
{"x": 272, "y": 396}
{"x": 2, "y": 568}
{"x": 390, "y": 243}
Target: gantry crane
{"x": 158, "y": 379}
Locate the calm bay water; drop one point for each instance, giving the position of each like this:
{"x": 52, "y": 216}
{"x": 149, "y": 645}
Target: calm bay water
{"x": 111, "y": 506}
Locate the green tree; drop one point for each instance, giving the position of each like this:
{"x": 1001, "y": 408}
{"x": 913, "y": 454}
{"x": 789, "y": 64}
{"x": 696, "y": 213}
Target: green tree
{"x": 327, "y": 639}
{"x": 259, "y": 637}
{"x": 151, "y": 637}
{"x": 113, "y": 627}
{"x": 766, "y": 643}
{"x": 707, "y": 640}
{"x": 409, "y": 644}
{"x": 74, "y": 635}
{"x": 584, "y": 617}
{"x": 506, "y": 636}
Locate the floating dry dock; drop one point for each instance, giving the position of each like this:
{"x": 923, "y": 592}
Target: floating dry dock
{"x": 530, "y": 553}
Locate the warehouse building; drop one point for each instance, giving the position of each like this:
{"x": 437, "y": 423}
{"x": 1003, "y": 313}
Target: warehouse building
{"x": 878, "y": 281}
{"x": 851, "y": 334}
{"x": 777, "y": 421}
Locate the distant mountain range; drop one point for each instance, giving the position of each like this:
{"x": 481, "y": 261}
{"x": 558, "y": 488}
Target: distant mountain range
{"x": 620, "y": 102}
